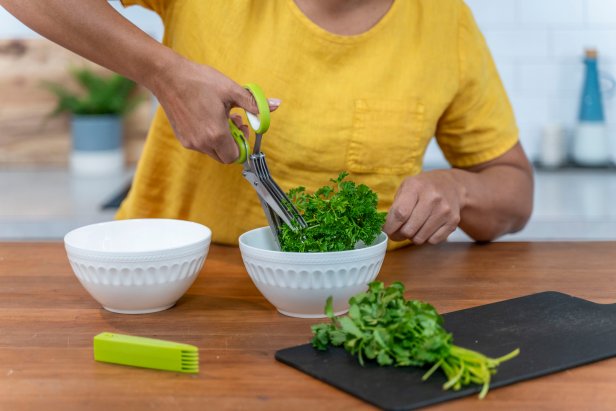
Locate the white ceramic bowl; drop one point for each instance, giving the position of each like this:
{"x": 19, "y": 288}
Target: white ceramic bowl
{"x": 298, "y": 284}
{"x": 138, "y": 266}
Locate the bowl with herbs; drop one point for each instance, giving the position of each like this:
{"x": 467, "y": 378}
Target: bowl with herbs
{"x": 337, "y": 254}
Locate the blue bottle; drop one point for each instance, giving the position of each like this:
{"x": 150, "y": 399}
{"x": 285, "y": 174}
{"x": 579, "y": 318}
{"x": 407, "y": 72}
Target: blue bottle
{"x": 591, "y": 141}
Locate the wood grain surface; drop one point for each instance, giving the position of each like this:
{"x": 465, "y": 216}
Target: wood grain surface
{"x": 47, "y": 321}
{"x": 28, "y": 136}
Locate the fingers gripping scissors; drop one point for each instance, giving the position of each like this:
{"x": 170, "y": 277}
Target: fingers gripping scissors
{"x": 277, "y": 206}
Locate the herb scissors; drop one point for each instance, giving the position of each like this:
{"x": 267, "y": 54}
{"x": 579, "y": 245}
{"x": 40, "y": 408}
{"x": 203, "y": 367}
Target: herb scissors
{"x": 277, "y": 206}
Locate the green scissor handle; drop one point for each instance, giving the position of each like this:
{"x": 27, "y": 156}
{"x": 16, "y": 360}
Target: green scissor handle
{"x": 241, "y": 142}
{"x": 259, "y": 123}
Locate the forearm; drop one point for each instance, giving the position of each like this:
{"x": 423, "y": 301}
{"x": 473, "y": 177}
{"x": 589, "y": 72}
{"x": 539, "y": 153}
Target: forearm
{"x": 94, "y": 30}
{"x": 496, "y": 200}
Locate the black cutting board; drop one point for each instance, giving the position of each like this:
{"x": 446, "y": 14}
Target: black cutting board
{"x": 554, "y": 332}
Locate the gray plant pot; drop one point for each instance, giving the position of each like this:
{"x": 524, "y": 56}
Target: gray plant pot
{"x": 97, "y": 145}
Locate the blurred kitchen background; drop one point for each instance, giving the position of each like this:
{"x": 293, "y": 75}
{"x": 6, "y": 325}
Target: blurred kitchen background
{"x": 538, "y": 46}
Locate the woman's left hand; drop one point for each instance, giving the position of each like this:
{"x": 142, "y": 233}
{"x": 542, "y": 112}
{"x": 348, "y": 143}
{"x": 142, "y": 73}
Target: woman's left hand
{"x": 426, "y": 208}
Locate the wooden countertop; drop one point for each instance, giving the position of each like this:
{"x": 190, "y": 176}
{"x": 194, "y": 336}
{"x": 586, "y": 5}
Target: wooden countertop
{"x": 47, "y": 321}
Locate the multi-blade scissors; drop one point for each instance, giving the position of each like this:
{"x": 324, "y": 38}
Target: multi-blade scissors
{"x": 277, "y": 206}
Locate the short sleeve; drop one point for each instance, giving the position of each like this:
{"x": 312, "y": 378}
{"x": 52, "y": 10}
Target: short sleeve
{"x": 479, "y": 124}
{"x": 157, "y": 6}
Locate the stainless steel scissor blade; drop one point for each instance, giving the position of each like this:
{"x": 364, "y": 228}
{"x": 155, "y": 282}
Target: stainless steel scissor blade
{"x": 277, "y": 206}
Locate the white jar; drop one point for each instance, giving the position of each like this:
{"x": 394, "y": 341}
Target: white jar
{"x": 553, "y": 147}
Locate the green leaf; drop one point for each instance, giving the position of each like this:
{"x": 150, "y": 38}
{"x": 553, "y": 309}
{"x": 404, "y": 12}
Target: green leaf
{"x": 329, "y": 307}
{"x": 349, "y": 327}
{"x": 384, "y": 359}
{"x": 354, "y": 311}
{"x": 99, "y": 95}
{"x": 337, "y": 337}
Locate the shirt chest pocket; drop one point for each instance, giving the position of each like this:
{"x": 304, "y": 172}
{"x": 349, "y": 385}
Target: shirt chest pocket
{"x": 386, "y": 137}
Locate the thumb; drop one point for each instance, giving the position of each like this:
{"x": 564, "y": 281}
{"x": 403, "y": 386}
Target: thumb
{"x": 243, "y": 98}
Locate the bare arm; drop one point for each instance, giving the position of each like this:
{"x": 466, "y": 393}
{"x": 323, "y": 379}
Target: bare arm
{"x": 498, "y": 195}
{"x": 486, "y": 201}
{"x": 196, "y": 98}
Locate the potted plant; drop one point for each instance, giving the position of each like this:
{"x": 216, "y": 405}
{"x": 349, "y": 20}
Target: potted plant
{"x": 96, "y": 119}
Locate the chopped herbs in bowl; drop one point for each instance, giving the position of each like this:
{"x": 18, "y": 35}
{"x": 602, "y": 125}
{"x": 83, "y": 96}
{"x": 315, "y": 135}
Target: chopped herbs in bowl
{"x": 339, "y": 216}
{"x": 338, "y": 254}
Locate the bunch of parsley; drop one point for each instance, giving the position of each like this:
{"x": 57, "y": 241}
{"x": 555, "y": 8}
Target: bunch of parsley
{"x": 338, "y": 216}
{"x": 382, "y": 325}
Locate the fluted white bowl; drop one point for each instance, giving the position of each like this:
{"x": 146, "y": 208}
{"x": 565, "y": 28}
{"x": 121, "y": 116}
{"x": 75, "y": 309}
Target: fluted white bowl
{"x": 298, "y": 284}
{"x": 138, "y": 266}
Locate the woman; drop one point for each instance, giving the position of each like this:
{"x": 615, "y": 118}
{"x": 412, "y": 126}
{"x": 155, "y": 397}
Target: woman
{"x": 364, "y": 85}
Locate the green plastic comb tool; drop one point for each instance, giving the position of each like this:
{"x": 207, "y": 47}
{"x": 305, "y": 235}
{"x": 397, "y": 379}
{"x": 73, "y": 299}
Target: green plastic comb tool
{"x": 146, "y": 352}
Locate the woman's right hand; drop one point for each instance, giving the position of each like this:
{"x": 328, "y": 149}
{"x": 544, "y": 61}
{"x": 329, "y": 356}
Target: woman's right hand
{"x": 197, "y": 100}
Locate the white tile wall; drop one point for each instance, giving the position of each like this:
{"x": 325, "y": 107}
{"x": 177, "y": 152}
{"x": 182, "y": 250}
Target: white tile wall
{"x": 510, "y": 44}
{"x": 538, "y": 46}
{"x": 550, "y": 13}
{"x": 601, "y": 12}
{"x": 564, "y": 42}
{"x": 495, "y": 13}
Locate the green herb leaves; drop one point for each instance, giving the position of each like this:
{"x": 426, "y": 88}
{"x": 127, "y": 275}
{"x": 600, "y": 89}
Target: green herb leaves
{"x": 338, "y": 216}
{"x": 102, "y": 95}
{"x": 383, "y": 326}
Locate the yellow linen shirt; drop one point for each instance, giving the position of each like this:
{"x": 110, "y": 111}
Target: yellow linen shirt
{"x": 367, "y": 103}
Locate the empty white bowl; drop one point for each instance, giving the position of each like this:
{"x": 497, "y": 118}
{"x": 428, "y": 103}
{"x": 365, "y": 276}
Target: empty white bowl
{"x": 138, "y": 266}
{"x": 298, "y": 284}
